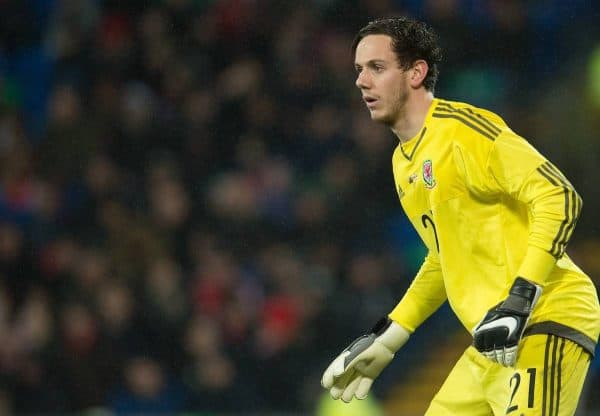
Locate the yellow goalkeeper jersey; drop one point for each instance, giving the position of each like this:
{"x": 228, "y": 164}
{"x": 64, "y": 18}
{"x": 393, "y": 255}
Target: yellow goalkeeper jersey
{"x": 490, "y": 208}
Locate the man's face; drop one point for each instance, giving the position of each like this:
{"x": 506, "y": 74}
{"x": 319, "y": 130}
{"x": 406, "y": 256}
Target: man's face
{"x": 383, "y": 84}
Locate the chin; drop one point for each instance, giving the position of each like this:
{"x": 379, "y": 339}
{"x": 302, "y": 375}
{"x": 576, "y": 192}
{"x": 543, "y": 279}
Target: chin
{"x": 380, "y": 117}
{"x": 375, "y": 115}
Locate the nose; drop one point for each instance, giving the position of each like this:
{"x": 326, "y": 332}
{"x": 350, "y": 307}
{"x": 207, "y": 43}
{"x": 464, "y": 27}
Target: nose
{"x": 362, "y": 80}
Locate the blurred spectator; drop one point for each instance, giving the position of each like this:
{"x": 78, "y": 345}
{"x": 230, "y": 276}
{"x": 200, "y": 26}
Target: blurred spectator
{"x": 81, "y": 359}
{"x": 69, "y": 142}
{"x": 147, "y": 389}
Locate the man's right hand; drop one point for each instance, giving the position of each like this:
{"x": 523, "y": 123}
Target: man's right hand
{"x": 352, "y": 373}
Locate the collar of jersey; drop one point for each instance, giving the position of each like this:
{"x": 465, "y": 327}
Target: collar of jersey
{"x": 414, "y": 148}
{"x": 405, "y": 147}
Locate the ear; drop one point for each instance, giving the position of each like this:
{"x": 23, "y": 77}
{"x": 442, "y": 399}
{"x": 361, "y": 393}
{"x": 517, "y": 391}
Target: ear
{"x": 419, "y": 71}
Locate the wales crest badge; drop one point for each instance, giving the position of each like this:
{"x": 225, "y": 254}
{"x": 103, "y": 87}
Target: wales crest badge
{"x": 428, "y": 178}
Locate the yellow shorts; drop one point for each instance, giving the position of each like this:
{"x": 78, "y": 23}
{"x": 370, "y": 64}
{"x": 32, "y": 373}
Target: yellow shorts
{"x": 546, "y": 381}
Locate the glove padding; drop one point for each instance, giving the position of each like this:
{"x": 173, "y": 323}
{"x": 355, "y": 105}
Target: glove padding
{"x": 352, "y": 373}
{"x": 498, "y": 334}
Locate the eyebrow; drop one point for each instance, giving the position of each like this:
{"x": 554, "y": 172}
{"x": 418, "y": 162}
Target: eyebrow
{"x": 371, "y": 62}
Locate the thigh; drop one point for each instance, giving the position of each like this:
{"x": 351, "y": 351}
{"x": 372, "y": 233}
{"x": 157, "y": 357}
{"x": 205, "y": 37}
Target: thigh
{"x": 462, "y": 393}
{"x": 547, "y": 380}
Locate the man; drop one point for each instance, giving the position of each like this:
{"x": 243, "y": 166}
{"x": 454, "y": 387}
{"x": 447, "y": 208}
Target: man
{"x": 496, "y": 217}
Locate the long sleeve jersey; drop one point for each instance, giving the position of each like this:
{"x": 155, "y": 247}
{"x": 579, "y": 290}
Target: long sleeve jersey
{"x": 489, "y": 208}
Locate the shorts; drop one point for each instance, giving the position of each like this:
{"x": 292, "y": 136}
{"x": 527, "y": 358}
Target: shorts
{"x": 546, "y": 381}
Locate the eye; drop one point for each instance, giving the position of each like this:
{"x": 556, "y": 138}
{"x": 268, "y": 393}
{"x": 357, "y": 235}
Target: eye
{"x": 378, "y": 68}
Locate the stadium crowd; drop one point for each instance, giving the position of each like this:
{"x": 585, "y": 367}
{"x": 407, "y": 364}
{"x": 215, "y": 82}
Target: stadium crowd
{"x": 195, "y": 209}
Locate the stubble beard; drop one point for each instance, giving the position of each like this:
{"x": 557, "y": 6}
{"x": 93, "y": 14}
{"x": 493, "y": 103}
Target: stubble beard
{"x": 396, "y": 112}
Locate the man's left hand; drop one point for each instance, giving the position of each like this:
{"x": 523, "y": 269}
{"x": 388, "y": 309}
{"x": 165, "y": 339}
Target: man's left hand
{"x": 498, "y": 334}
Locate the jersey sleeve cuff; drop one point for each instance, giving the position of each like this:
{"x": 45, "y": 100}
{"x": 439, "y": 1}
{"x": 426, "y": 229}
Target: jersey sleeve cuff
{"x": 407, "y": 319}
{"x": 536, "y": 265}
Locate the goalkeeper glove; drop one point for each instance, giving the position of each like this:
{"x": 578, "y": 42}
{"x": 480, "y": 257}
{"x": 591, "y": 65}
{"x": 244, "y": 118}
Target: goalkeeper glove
{"x": 498, "y": 334}
{"x": 352, "y": 373}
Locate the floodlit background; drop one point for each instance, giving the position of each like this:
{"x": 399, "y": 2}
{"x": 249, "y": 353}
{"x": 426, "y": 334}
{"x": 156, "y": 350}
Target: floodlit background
{"x": 197, "y": 214}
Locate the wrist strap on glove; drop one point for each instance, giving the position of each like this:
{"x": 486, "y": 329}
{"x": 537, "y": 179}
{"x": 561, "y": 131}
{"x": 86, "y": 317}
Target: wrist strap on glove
{"x": 522, "y": 297}
{"x": 390, "y": 334}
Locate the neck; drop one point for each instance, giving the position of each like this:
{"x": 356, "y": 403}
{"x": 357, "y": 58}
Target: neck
{"x": 413, "y": 118}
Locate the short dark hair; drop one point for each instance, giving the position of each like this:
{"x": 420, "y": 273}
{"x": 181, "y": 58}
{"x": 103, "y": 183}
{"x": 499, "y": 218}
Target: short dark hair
{"x": 411, "y": 40}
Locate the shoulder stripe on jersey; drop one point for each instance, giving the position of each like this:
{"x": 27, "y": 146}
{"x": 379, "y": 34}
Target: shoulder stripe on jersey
{"x": 484, "y": 120}
{"x": 576, "y": 203}
{"x": 544, "y": 170}
{"x": 572, "y": 208}
{"x": 476, "y": 118}
{"x": 465, "y": 121}
{"x": 575, "y": 206}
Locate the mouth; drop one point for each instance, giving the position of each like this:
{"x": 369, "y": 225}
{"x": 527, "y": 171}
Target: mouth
{"x": 370, "y": 101}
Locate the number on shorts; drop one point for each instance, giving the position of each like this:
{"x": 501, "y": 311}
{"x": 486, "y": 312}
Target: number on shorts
{"x": 517, "y": 381}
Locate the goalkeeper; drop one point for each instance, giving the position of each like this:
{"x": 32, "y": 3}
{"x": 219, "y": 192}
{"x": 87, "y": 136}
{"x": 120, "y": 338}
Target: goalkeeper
{"x": 496, "y": 217}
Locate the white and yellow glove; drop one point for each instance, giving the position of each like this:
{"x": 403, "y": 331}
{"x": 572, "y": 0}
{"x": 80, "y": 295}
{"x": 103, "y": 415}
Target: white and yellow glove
{"x": 352, "y": 373}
